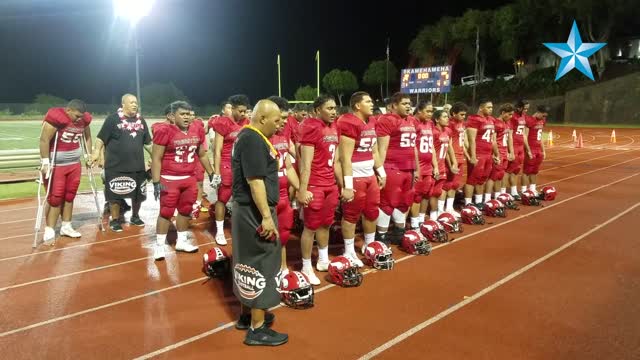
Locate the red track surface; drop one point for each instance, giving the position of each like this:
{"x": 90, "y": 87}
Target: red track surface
{"x": 554, "y": 282}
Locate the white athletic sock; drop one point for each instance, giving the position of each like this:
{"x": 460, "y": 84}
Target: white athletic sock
{"x": 182, "y": 236}
{"x": 478, "y": 198}
{"x": 433, "y": 215}
{"x": 421, "y": 218}
{"x": 467, "y": 201}
{"x": 323, "y": 254}
{"x": 306, "y": 265}
{"x": 514, "y": 190}
{"x": 348, "y": 246}
{"x": 487, "y": 197}
{"x": 220, "y": 227}
{"x": 441, "y": 206}
{"x": 161, "y": 239}
{"x": 503, "y": 190}
{"x": 523, "y": 188}
{"x": 415, "y": 222}
{"x": 495, "y": 196}
{"x": 449, "y": 203}
{"x": 532, "y": 187}
{"x": 66, "y": 224}
{"x": 369, "y": 238}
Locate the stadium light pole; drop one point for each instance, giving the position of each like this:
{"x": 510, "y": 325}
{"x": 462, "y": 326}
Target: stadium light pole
{"x": 134, "y": 11}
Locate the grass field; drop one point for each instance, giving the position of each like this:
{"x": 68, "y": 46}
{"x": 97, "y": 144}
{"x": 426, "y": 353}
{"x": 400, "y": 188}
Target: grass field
{"x": 30, "y": 189}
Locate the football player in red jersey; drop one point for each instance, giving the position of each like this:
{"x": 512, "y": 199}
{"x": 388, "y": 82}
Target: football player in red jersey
{"x": 227, "y": 129}
{"x": 534, "y": 147}
{"x": 504, "y": 142}
{"x": 518, "y": 125}
{"x": 318, "y": 190}
{"x": 176, "y": 149}
{"x": 355, "y": 173}
{"x": 64, "y": 127}
{"x": 396, "y": 133}
{"x": 457, "y": 118}
{"x": 481, "y": 137}
{"x": 287, "y": 176}
{"x": 429, "y": 172}
{"x": 199, "y": 172}
{"x": 446, "y": 161}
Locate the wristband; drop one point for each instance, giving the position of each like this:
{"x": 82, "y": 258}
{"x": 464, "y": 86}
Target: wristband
{"x": 381, "y": 172}
{"x": 44, "y": 161}
{"x": 348, "y": 182}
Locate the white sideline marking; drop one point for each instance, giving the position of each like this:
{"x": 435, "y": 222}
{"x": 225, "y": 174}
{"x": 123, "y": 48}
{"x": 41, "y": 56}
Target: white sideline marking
{"x": 488, "y": 289}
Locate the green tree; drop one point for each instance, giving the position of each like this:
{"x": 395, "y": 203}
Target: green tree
{"x": 160, "y": 94}
{"x": 376, "y": 74}
{"x": 306, "y": 93}
{"x": 48, "y": 99}
{"x": 339, "y": 82}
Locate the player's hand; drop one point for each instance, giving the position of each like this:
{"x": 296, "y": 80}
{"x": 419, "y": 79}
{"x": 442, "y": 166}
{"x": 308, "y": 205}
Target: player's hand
{"x": 347, "y": 195}
{"x": 157, "y": 189}
{"x": 511, "y": 157}
{"x": 436, "y": 174}
{"x": 304, "y": 197}
{"x": 529, "y": 154}
{"x": 382, "y": 181}
{"x": 473, "y": 160}
{"x": 416, "y": 176}
{"x": 93, "y": 160}
{"x": 544, "y": 155}
{"x": 44, "y": 171}
{"x": 149, "y": 164}
{"x": 267, "y": 229}
{"x": 215, "y": 180}
{"x": 496, "y": 160}
{"x": 455, "y": 170}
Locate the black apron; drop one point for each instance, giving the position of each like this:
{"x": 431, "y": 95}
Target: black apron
{"x": 125, "y": 185}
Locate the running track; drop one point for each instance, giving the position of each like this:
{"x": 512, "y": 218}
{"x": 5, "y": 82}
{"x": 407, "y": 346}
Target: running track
{"x": 553, "y": 282}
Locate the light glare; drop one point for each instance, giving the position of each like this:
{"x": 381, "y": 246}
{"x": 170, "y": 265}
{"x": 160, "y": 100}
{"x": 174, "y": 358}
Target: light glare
{"x": 134, "y": 10}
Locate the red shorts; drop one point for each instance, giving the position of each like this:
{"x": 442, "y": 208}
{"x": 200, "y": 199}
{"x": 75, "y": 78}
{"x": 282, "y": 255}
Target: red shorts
{"x": 422, "y": 189}
{"x": 199, "y": 172}
{"x": 178, "y": 194}
{"x": 455, "y": 181}
{"x": 322, "y": 208}
{"x": 224, "y": 190}
{"x": 515, "y": 165}
{"x": 436, "y": 190}
{"x": 285, "y": 219}
{"x": 479, "y": 173}
{"x": 65, "y": 180}
{"x": 365, "y": 202}
{"x": 398, "y": 191}
{"x": 532, "y": 166}
{"x": 497, "y": 171}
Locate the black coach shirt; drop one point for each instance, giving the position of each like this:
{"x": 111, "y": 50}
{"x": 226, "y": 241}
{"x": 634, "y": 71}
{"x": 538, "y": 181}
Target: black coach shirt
{"x": 251, "y": 158}
{"x": 124, "y": 147}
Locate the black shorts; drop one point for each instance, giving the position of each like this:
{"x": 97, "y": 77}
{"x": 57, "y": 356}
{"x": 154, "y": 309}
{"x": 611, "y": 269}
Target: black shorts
{"x": 256, "y": 261}
{"x": 125, "y": 185}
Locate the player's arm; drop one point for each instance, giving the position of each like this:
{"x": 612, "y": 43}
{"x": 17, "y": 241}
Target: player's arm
{"x": 525, "y": 139}
{"x": 337, "y": 170}
{"x": 217, "y": 152}
{"x": 292, "y": 149}
{"x": 157, "y": 152}
{"x": 204, "y": 160}
{"x": 471, "y": 138}
{"x": 434, "y": 162}
{"x": 378, "y": 167}
{"x": 292, "y": 177}
{"x": 511, "y": 154}
{"x": 306, "y": 157}
{"x": 416, "y": 158}
{"x": 383, "y": 146}
{"x": 494, "y": 145}
{"x": 544, "y": 152}
{"x": 451, "y": 155}
{"x": 46, "y": 134}
{"x": 345, "y": 149}
{"x": 465, "y": 147}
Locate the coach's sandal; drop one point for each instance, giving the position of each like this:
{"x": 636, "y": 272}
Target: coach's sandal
{"x": 49, "y": 237}
{"x": 221, "y": 239}
{"x": 67, "y": 230}
{"x": 186, "y": 246}
{"x": 313, "y": 279}
{"x": 135, "y": 220}
{"x": 158, "y": 252}
{"x": 115, "y": 226}
{"x": 244, "y": 322}
{"x": 263, "y": 336}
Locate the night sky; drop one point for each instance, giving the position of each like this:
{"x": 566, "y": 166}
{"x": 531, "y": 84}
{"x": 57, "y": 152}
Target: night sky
{"x": 209, "y": 48}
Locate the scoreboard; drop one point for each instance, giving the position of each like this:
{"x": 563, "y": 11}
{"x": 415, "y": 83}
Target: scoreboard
{"x": 435, "y": 79}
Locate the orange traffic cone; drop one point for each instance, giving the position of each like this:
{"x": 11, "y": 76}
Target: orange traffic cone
{"x": 613, "y": 137}
{"x": 579, "y": 144}
{"x": 574, "y": 136}
{"x": 550, "y": 139}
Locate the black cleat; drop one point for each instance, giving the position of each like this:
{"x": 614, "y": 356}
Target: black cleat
{"x": 135, "y": 220}
{"x": 244, "y": 322}
{"x": 115, "y": 226}
{"x": 395, "y": 238}
{"x": 263, "y": 336}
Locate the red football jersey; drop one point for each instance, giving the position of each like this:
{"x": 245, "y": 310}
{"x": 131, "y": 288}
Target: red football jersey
{"x": 69, "y": 132}
{"x": 324, "y": 139}
{"x": 281, "y": 144}
{"x": 365, "y": 138}
{"x": 229, "y": 130}
{"x": 181, "y": 148}
{"x": 518, "y": 123}
{"x": 535, "y": 132}
{"x": 424, "y": 129}
{"x": 441, "y": 139}
{"x": 402, "y": 141}
{"x": 200, "y": 122}
{"x": 457, "y": 137}
{"x": 485, "y": 129}
{"x": 290, "y": 130}
{"x": 502, "y": 136}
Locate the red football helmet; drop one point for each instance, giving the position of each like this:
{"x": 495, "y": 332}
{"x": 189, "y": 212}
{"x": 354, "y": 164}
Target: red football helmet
{"x": 529, "y": 198}
{"x": 216, "y": 263}
{"x": 414, "y": 243}
{"x": 296, "y": 290}
{"x": 508, "y": 201}
{"x": 494, "y": 208}
{"x": 471, "y": 215}
{"x": 434, "y": 231}
{"x": 548, "y": 193}
{"x": 450, "y": 223}
{"x": 343, "y": 272}
{"x": 378, "y": 255}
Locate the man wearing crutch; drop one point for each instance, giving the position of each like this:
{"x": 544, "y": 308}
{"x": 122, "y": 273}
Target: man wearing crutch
{"x": 60, "y": 151}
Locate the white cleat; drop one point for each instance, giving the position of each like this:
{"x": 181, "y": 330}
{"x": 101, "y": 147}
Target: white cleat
{"x": 69, "y": 231}
{"x": 454, "y": 213}
{"x": 322, "y": 266}
{"x": 158, "y": 252}
{"x": 221, "y": 239}
{"x": 354, "y": 259}
{"x": 186, "y": 246}
{"x": 49, "y": 237}
{"x": 313, "y": 279}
